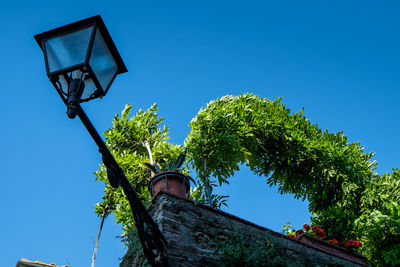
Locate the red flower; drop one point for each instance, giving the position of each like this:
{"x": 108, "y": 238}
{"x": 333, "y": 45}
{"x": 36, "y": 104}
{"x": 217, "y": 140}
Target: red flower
{"x": 357, "y": 244}
{"x": 334, "y": 241}
{"x": 299, "y": 232}
{"x": 292, "y": 236}
{"x": 315, "y": 229}
{"x": 352, "y": 244}
{"x": 319, "y": 232}
{"x": 322, "y": 233}
{"x": 306, "y": 227}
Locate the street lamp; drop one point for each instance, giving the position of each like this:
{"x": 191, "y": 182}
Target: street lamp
{"x": 81, "y": 62}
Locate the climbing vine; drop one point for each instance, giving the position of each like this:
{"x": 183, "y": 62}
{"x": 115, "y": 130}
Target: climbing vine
{"x": 284, "y": 147}
{"x": 336, "y": 176}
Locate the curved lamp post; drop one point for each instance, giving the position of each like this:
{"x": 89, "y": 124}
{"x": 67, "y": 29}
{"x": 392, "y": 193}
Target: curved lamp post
{"x": 81, "y": 62}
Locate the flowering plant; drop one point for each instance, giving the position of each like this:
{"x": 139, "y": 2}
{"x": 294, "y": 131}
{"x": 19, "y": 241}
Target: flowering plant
{"x": 352, "y": 244}
{"x": 320, "y": 233}
{"x": 334, "y": 241}
{"x": 299, "y": 232}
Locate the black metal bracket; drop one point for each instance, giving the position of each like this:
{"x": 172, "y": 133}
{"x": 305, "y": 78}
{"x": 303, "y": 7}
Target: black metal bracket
{"x": 152, "y": 240}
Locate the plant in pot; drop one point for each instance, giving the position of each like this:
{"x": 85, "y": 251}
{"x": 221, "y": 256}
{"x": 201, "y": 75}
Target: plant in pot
{"x": 135, "y": 140}
{"x": 169, "y": 179}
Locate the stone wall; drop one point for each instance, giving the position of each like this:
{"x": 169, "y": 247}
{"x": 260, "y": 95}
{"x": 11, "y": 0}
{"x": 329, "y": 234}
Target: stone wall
{"x": 192, "y": 231}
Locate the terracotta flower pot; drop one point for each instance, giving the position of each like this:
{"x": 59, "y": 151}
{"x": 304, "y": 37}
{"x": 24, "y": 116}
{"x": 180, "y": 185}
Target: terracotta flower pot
{"x": 332, "y": 249}
{"x": 172, "y": 182}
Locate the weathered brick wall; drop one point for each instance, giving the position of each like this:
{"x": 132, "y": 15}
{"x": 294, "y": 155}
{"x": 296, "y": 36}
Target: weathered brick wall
{"x": 191, "y": 230}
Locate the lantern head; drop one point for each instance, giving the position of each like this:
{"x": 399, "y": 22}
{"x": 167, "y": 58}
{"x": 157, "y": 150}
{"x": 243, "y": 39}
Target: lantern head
{"x": 81, "y": 59}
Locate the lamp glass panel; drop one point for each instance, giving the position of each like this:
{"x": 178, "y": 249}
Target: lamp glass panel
{"x": 69, "y": 49}
{"x": 90, "y": 88}
{"x": 102, "y": 62}
{"x": 63, "y": 83}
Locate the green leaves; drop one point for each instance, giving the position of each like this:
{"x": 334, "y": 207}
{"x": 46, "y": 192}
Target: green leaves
{"x": 379, "y": 224}
{"x": 285, "y": 148}
{"x": 154, "y": 167}
{"x": 171, "y": 165}
{"x": 337, "y": 177}
{"x": 177, "y": 164}
{"x": 135, "y": 141}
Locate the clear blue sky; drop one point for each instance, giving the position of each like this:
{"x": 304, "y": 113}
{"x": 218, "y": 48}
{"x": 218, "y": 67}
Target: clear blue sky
{"x": 338, "y": 59}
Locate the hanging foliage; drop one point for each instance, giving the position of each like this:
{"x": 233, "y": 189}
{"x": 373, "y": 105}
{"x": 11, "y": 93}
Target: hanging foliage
{"x": 285, "y": 148}
{"x": 337, "y": 177}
